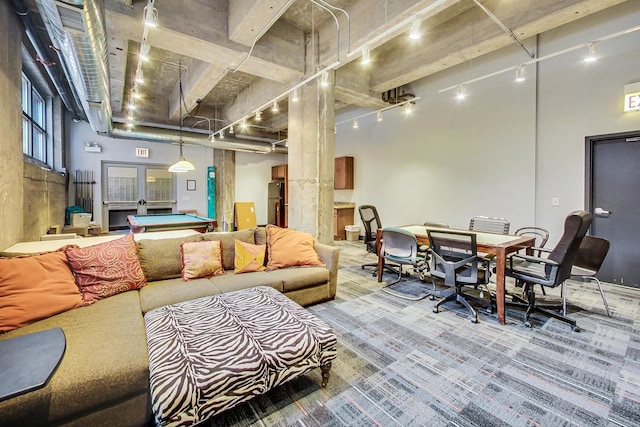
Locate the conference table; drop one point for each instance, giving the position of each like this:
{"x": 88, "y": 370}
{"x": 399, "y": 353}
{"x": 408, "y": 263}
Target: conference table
{"x": 164, "y": 222}
{"x": 499, "y": 245}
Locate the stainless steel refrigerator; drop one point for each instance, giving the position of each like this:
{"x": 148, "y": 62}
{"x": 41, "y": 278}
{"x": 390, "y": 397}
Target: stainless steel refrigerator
{"x": 275, "y": 204}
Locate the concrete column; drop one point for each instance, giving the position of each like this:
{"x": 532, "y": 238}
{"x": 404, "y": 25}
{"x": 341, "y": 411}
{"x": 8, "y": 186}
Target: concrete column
{"x": 225, "y": 163}
{"x": 311, "y": 144}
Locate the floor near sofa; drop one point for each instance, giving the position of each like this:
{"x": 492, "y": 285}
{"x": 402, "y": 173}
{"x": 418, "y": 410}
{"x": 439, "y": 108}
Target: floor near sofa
{"x": 399, "y": 363}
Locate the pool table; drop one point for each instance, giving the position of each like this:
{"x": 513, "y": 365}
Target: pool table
{"x": 163, "y": 222}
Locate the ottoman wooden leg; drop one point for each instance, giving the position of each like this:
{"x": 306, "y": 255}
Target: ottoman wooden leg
{"x": 325, "y": 373}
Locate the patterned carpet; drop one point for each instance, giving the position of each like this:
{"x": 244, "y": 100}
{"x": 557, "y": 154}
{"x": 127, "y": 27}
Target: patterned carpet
{"x": 400, "y": 364}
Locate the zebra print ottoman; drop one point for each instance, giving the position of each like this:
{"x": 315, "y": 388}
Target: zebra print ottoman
{"x": 209, "y": 354}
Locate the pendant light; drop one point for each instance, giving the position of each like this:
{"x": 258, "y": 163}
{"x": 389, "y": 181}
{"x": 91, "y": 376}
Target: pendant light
{"x": 181, "y": 165}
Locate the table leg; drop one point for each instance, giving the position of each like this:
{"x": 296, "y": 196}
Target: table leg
{"x": 380, "y": 259}
{"x": 500, "y": 284}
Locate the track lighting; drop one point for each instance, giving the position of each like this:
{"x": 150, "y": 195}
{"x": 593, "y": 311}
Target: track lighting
{"x": 521, "y": 73}
{"x": 379, "y": 116}
{"x": 355, "y": 124}
{"x": 139, "y": 76}
{"x": 221, "y": 134}
{"x": 294, "y": 96}
{"x": 131, "y": 105}
{"x": 461, "y": 92}
{"x": 150, "y": 15}
{"x": 324, "y": 79}
{"x": 414, "y": 32}
{"x": 592, "y": 56}
{"x": 275, "y": 107}
{"x": 258, "y": 115}
{"x": 243, "y": 124}
{"x": 408, "y": 107}
{"x": 135, "y": 92}
{"x": 144, "y": 51}
{"x": 231, "y": 132}
{"x": 366, "y": 55}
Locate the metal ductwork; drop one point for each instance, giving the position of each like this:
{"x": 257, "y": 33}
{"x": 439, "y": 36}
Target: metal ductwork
{"x": 77, "y": 26}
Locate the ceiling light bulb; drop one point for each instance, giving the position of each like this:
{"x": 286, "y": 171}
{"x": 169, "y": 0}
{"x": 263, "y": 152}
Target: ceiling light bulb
{"x": 592, "y": 47}
{"x": 324, "y": 79}
{"x": 414, "y": 32}
{"x": 221, "y": 134}
{"x": 136, "y": 92}
{"x": 150, "y": 16}
{"x": 355, "y": 124}
{"x": 366, "y": 55}
{"x": 139, "y": 76}
{"x": 294, "y": 97}
{"x": 131, "y": 105}
{"x": 258, "y": 115}
{"x": 379, "y": 116}
{"x": 275, "y": 107}
{"x": 243, "y": 124}
{"x": 408, "y": 107}
{"x": 461, "y": 92}
{"x": 231, "y": 130}
{"x": 521, "y": 73}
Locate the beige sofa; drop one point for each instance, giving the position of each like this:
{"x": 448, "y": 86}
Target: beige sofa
{"x": 103, "y": 378}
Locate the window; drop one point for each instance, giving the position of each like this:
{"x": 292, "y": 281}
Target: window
{"x": 34, "y": 132}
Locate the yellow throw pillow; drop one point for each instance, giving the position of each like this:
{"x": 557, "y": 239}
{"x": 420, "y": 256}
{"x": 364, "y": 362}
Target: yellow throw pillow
{"x": 249, "y": 257}
{"x": 290, "y": 248}
{"x": 201, "y": 259}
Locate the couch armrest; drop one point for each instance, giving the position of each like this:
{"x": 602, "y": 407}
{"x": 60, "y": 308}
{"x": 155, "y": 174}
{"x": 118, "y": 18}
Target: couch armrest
{"x": 330, "y": 256}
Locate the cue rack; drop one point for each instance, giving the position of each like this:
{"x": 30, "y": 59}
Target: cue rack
{"x": 84, "y": 183}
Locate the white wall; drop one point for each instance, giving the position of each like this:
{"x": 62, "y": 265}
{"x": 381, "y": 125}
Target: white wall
{"x": 508, "y": 148}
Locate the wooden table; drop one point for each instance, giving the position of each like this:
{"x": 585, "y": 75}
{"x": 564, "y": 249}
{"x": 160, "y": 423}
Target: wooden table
{"x": 499, "y": 245}
{"x": 164, "y": 222}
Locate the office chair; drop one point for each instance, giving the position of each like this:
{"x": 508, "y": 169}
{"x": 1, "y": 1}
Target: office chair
{"x": 371, "y": 223}
{"x": 454, "y": 259}
{"x": 542, "y": 236}
{"x": 591, "y": 254}
{"x": 400, "y": 247}
{"x": 490, "y": 225}
{"x": 552, "y": 271}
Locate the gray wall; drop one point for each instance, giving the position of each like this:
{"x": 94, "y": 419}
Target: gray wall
{"x": 508, "y": 148}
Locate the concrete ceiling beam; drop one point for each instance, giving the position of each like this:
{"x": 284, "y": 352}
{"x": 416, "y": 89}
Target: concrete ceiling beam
{"x": 247, "y": 18}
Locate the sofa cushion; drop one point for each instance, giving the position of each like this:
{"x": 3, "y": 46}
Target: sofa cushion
{"x": 201, "y": 259}
{"x": 227, "y": 240}
{"x": 249, "y": 258}
{"x": 290, "y": 248}
{"x": 36, "y": 287}
{"x": 106, "y": 269}
{"x": 233, "y": 282}
{"x": 300, "y": 278}
{"x": 170, "y": 291}
{"x": 160, "y": 258}
{"x": 105, "y": 363}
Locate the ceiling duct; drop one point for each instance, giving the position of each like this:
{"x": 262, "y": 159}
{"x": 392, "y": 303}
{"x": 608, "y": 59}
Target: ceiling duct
{"x": 78, "y": 29}
{"x": 396, "y": 96}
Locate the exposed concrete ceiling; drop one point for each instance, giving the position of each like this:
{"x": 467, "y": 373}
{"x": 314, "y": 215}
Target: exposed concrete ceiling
{"x": 225, "y": 77}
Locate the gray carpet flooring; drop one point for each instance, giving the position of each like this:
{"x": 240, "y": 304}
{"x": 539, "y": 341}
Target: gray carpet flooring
{"x": 400, "y": 364}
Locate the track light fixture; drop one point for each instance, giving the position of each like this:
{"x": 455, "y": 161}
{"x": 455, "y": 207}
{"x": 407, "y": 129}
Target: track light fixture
{"x": 139, "y": 76}
{"x": 231, "y": 132}
{"x": 135, "y": 92}
{"x": 258, "y": 115}
{"x": 379, "y": 116}
{"x": 355, "y": 124}
{"x": 414, "y": 32}
{"x": 592, "y": 56}
{"x": 324, "y": 79}
{"x": 366, "y": 55}
{"x": 150, "y": 15}
{"x": 408, "y": 107}
{"x": 221, "y": 134}
{"x": 521, "y": 73}
{"x": 461, "y": 92}
{"x": 243, "y": 124}
{"x": 294, "y": 95}
{"x": 275, "y": 107}
{"x": 144, "y": 51}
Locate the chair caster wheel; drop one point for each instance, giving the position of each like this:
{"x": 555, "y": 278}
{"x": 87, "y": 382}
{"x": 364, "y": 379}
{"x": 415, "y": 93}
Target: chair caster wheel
{"x": 527, "y": 324}
{"x": 575, "y": 329}
{"x": 474, "y": 320}
{"x": 435, "y": 310}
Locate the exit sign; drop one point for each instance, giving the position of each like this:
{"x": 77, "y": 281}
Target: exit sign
{"x": 142, "y": 152}
{"x": 632, "y": 102}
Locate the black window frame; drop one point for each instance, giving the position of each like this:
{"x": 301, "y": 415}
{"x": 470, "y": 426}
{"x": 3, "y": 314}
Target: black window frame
{"x": 34, "y": 122}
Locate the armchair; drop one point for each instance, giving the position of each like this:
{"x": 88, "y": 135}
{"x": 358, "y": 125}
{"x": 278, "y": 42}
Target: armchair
{"x": 552, "y": 271}
{"x": 454, "y": 259}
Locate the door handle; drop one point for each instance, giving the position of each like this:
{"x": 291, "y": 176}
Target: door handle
{"x": 602, "y": 212}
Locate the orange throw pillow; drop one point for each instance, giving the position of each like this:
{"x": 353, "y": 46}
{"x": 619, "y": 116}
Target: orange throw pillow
{"x": 107, "y": 269}
{"x": 34, "y": 288}
{"x": 201, "y": 259}
{"x": 290, "y": 248}
{"x": 249, "y": 257}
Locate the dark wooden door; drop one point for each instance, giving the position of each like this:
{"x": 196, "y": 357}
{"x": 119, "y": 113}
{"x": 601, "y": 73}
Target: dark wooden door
{"x": 613, "y": 197}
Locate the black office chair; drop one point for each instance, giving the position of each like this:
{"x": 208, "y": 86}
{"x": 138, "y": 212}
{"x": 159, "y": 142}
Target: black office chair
{"x": 541, "y": 237}
{"x": 591, "y": 254}
{"x": 552, "y": 271}
{"x": 371, "y": 223}
{"x": 400, "y": 247}
{"x": 454, "y": 259}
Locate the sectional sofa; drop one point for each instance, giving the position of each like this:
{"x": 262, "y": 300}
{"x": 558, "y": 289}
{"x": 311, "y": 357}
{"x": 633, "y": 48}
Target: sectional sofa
{"x": 103, "y": 377}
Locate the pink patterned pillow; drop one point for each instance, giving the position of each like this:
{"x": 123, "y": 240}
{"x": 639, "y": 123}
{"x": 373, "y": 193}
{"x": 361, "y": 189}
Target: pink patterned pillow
{"x": 106, "y": 269}
{"x": 201, "y": 259}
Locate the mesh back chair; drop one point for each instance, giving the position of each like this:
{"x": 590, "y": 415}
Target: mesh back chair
{"x": 371, "y": 223}
{"x": 591, "y": 254}
{"x": 552, "y": 271}
{"x": 454, "y": 259}
{"x": 542, "y": 236}
{"x": 400, "y": 247}
{"x": 490, "y": 225}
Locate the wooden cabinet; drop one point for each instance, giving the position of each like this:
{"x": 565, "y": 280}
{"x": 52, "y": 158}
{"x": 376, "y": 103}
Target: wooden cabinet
{"x": 341, "y": 218}
{"x": 343, "y": 175}
{"x": 279, "y": 172}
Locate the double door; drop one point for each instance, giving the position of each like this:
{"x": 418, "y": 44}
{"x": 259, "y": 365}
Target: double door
{"x": 136, "y": 190}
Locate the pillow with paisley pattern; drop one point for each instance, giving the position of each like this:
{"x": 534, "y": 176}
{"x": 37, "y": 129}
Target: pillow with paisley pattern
{"x": 106, "y": 269}
{"x": 201, "y": 259}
